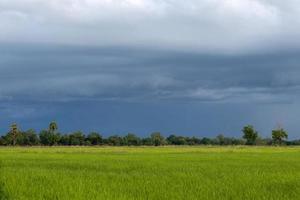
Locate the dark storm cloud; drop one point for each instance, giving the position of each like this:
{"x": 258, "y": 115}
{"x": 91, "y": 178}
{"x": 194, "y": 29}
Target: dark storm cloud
{"x": 64, "y": 73}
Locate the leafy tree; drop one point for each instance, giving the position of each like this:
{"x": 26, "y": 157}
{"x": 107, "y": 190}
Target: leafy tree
{"x": 105, "y": 141}
{"x": 293, "y": 142}
{"x": 176, "y": 140}
{"x": 64, "y": 140}
{"x": 264, "y": 141}
{"x": 94, "y": 138}
{"x": 30, "y": 138}
{"x": 3, "y": 140}
{"x": 193, "y": 141}
{"x": 206, "y": 141}
{"x": 15, "y": 133}
{"x": 250, "y": 135}
{"x": 236, "y": 141}
{"x": 131, "y": 140}
{"x": 181, "y": 140}
{"x": 13, "y": 137}
{"x": 228, "y": 141}
{"x": 157, "y": 139}
{"x": 278, "y": 135}
{"x": 77, "y": 138}
{"x": 147, "y": 141}
{"x": 220, "y": 139}
{"x": 48, "y": 138}
{"x": 171, "y": 139}
{"x": 115, "y": 140}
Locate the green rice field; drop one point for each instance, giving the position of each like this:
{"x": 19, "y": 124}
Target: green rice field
{"x": 149, "y": 173}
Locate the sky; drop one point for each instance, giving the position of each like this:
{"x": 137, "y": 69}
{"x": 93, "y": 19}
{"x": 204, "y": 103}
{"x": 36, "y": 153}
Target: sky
{"x": 194, "y": 67}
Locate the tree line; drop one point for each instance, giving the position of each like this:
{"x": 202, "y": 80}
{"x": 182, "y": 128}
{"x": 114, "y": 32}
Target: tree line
{"x": 51, "y": 137}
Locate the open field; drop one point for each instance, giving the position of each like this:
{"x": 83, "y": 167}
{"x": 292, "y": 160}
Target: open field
{"x": 150, "y": 173}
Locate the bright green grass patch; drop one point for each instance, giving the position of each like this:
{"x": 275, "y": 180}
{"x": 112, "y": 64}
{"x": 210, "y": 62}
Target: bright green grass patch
{"x": 150, "y": 173}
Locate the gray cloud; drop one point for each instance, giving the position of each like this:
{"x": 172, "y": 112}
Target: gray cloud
{"x": 64, "y": 73}
{"x": 229, "y": 26}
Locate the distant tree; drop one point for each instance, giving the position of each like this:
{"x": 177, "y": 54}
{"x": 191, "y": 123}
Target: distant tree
{"x": 52, "y": 137}
{"x": 228, "y": 141}
{"x": 48, "y": 138}
{"x": 2, "y": 141}
{"x": 30, "y": 138}
{"x": 147, "y": 141}
{"x": 214, "y": 141}
{"x": 237, "y": 141}
{"x": 77, "y": 138}
{"x": 193, "y": 140}
{"x": 206, "y": 141}
{"x": 223, "y": 140}
{"x": 263, "y": 141}
{"x": 45, "y": 137}
{"x": 171, "y": 139}
{"x": 64, "y": 140}
{"x": 15, "y": 133}
{"x": 131, "y": 140}
{"x": 105, "y": 141}
{"x": 94, "y": 138}
{"x": 278, "y": 135}
{"x": 115, "y": 140}
{"x": 53, "y": 127}
{"x": 220, "y": 139}
{"x": 6, "y": 139}
{"x": 176, "y": 140}
{"x": 181, "y": 140}
{"x": 268, "y": 141}
{"x": 13, "y": 137}
{"x": 250, "y": 135}
{"x": 293, "y": 142}
{"x": 157, "y": 139}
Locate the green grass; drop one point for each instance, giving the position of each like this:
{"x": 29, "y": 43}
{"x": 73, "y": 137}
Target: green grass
{"x": 150, "y": 173}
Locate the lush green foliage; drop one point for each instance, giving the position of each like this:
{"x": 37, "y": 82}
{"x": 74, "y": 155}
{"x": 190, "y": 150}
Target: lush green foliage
{"x": 150, "y": 173}
{"x": 278, "y": 135}
{"x": 250, "y": 134}
{"x": 157, "y": 139}
{"x": 52, "y": 137}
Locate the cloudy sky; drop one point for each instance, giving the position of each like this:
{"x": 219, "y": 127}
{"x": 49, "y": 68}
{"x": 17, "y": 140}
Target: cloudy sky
{"x": 194, "y": 67}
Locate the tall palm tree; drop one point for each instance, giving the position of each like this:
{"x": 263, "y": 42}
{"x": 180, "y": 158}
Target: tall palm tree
{"x": 14, "y": 132}
{"x": 53, "y": 127}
